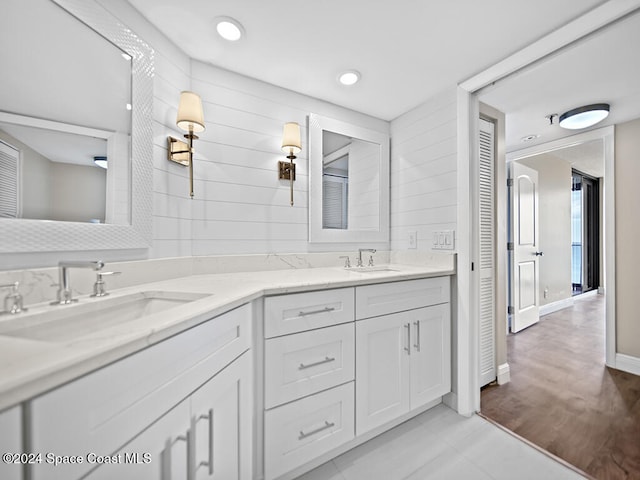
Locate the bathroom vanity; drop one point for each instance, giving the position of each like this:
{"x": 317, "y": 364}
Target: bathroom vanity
{"x": 255, "y": 375}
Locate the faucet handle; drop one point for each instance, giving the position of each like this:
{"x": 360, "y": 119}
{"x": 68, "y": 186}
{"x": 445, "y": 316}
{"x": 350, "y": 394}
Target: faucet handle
{"x": 347, "y": 261}
{"x": 99, "y": 287}
{"x": 13, "y": 301}
{"x": 371, "y": 261}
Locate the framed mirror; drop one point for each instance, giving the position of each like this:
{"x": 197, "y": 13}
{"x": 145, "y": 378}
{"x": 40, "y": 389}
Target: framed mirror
{"x": 90, "y": 98}
{"x": 348, "y": 182}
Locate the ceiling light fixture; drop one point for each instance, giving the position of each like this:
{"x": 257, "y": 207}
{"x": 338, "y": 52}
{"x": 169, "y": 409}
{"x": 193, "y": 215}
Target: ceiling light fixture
{"x": 349, "y": 78}
{"x": 583, "y": 117}
{"x": 229, "y": 28}
{"x": 101, "y": 161}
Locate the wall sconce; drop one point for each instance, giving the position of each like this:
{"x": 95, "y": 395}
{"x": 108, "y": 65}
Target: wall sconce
{"x": 190, "y": 119}
{"x": 291, "y": 145}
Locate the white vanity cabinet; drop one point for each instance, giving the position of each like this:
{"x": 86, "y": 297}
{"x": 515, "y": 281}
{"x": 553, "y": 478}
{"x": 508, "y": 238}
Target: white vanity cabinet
{"x": 205, "y": 437}
{"x": 403, "y": 355}
{"x": 309, "y": 371}
{"x": 11, "y": 442}
{"x": 185, "y": 399}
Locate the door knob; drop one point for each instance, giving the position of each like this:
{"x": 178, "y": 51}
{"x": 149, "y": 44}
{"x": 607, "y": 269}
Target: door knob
{"x": 539, "y": 254}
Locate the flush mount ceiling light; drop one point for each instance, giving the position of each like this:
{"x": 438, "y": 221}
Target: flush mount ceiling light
{"x": 100, "y": 161}
{"x": 583, "y": 117}
{"x": 349, "y": 78}
{"x": 229, "y": 28}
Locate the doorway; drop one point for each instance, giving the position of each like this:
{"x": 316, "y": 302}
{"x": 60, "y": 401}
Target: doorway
{"x": 585, "y": 232}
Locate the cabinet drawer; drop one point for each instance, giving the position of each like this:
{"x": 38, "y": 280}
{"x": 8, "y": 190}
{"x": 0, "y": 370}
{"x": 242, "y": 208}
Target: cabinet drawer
{"x": 308, "y": 362}
{"x": 103, "y": 410}
{"x": 376, "y": 300}
{"x": 284, "y": 314}
{"x": 305, "y": 429}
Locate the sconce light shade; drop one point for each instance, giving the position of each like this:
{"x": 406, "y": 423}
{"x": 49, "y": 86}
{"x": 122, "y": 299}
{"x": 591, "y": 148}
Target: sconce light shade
{"x": 583, "y": 117}
{"x": 291, "y": 138}
{"x": 190, "y": 115}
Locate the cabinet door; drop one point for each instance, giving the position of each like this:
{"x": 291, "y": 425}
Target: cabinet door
{"x": 382, "y": 369}
{"x": 431, "y": 354}
{"x": 158, "y": 453}
{"x": 221, "y": 425}
{"x": 11, "y": 442}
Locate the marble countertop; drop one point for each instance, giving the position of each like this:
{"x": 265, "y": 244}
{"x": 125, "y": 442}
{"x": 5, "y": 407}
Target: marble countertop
{"x": 31, "y": 367}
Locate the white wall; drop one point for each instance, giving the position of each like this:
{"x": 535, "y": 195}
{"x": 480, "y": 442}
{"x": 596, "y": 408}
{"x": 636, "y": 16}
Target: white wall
{"x": 78, "y": 192}
{"x": 627, "y": 172}
{"x": 423, "y": 171}
{"x": 240, "y": 206}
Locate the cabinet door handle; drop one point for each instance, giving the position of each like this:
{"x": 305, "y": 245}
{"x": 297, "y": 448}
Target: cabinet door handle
{"x": 313, "y": 312}
{"x": 408, "y": 347}
{"x": 166, "y": 455}
{"x": 315, "y": 364}
{"x": 191, "y": 446}
{"x": 417, "y": 344}
{"x": 326, "y": 425}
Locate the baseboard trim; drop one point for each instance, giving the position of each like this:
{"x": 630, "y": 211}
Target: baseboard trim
{"x": 555, "y": 306}
{"x": 627, "y": 363}
{"x": 504, "y": 374}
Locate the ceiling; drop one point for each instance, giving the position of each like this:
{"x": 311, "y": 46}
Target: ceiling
{"x": 602, "y": 68}
{"x": 407, "y": 51}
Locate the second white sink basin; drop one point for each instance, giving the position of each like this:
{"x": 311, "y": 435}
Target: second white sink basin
{"x": 89, "y": 316}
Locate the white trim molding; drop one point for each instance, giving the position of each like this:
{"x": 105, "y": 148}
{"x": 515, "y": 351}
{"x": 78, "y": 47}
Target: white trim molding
{"x": 555, "y": 306}
{"x": 627, "y": 363}
{"x": 504, "y": 374}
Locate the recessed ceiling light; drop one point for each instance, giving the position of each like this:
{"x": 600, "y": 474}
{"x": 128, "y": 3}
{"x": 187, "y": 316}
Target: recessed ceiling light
{"x": 583, "y": 117}
{"x": 349, "y": 78}
{"x": 229, "y": 28}
{"x": 528, "y": 138}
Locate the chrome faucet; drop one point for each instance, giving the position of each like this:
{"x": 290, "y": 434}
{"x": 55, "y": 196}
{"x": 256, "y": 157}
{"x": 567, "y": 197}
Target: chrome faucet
{"x": 65, "y": 296}
{"x": 13, "y": 301}
{"x": 360, "y": 250}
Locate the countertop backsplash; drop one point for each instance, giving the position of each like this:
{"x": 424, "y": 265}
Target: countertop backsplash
{"x": 40, "y": 284}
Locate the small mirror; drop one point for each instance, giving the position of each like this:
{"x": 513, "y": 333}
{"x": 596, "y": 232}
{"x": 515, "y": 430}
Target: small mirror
{"x": 349, "y": 182}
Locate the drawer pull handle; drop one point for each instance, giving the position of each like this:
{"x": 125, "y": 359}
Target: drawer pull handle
{"x": 417, "y": 344}
{"x": 315, "y": 364}
{"x": 313, "y": 312}
{"x": 326, "y": 425}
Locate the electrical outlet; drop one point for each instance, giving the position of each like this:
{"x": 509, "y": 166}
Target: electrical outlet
{"x": 413, "y": 239}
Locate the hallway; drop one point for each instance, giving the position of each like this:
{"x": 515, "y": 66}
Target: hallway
{"x": 562, "y": 398}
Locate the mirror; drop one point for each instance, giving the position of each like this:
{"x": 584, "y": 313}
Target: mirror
{"x": 56, "y": 177}
{"x": 88, "y": 94}
{"x": 348, "y": 182}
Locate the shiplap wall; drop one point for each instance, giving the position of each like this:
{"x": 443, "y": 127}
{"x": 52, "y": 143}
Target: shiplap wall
{"x": 423, "y": 171}
{"x": 240, "y": 206}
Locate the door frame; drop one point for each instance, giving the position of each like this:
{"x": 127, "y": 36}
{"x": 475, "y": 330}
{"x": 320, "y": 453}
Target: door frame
{"x": 607, "y": 135}
{"x": 466, "y": 391}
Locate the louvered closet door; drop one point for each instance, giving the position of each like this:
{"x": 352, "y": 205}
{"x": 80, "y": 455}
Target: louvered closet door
{"x": 487, "y": 253}
{"x": 8, "y": 181}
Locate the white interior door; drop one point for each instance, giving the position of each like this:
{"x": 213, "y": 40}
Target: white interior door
{"x": 526, "y": 250}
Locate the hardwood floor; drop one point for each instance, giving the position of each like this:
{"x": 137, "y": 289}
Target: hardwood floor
{"x": 564, "y": 399}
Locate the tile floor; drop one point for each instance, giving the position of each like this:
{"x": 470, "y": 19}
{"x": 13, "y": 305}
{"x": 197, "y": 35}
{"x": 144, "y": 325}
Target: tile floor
{"x": 440, "y": 444}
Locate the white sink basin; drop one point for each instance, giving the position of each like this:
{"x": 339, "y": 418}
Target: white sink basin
{"x": 89, "y": 316}
{"x": 381, "y": 268}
